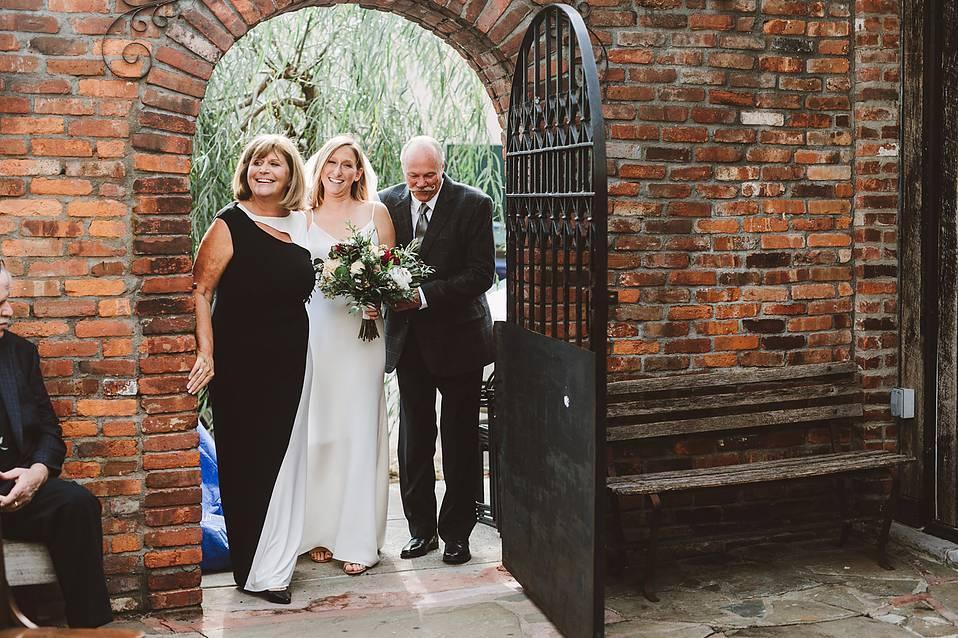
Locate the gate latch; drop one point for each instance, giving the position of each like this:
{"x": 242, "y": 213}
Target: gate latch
{"x": 613, "y": 297}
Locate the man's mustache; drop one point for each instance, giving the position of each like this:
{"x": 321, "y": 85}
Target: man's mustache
{"x": 424, "y": 189}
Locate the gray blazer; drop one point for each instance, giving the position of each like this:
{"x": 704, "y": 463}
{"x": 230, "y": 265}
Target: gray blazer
{"x": 454, "y": 331}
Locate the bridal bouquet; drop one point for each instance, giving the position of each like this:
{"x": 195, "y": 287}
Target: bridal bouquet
{"x": 366, "y": 273}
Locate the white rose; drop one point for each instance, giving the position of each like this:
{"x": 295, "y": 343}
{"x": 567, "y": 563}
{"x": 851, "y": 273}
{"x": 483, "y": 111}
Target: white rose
{"x": 330, "y": 266}
{"x": 402, "y": 277}
{"x": 378, "y": 251}
{"x": 356, "y": 268}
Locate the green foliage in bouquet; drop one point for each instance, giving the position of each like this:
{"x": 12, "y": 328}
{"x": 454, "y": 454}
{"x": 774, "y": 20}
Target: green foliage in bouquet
{"x": 370, "y": 274}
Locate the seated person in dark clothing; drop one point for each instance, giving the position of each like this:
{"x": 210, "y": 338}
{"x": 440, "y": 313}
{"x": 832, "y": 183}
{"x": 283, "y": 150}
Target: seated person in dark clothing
{"x": 35, "y": 505}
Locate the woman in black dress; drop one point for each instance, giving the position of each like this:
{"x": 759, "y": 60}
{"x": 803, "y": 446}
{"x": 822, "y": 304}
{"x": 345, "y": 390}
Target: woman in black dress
{"x": 260, "y": 330}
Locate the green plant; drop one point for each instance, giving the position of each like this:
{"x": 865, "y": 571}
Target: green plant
{"x": 318, "y": 72}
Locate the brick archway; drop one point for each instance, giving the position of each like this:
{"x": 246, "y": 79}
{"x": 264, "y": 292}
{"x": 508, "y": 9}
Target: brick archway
{"x": 170, "y": 94}
{"x": 105, "y": 255}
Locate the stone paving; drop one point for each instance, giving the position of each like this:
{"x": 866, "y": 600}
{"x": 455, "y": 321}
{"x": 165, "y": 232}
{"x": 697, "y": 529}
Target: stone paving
{"x": 795, "y": 590}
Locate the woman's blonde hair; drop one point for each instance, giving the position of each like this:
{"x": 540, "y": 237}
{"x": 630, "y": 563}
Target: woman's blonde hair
{"x": 263, "y": 145}
{"x": 360, "y": 188}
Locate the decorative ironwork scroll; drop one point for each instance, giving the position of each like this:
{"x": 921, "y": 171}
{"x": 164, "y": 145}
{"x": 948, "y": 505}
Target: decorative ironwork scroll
{"x": 128, "y": 31}
{"x": 556, "y": 186}
{"x": 602, "y": 53}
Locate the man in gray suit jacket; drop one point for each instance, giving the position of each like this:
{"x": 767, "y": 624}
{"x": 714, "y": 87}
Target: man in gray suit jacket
{"x": 440, "y": 339}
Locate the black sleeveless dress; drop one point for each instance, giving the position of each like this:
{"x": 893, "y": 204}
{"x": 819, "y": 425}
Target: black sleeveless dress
{"x": 260, "y": 332}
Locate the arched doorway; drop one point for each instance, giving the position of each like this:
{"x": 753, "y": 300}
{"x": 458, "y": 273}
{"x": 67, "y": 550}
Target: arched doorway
{"x": 165, "y": 73}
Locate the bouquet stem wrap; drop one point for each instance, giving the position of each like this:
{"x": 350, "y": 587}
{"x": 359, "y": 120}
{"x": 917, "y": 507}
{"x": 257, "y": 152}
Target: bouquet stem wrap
{"x": 368, "y": 330}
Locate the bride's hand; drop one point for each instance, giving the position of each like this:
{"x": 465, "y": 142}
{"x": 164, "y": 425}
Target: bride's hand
{"x": 201, "y": 374}
{"x": 371, "y": 311}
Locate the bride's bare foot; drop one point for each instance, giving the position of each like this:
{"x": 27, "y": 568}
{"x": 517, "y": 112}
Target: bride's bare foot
{"x": 320, "y": 555}
{"x": 354, "y": 569}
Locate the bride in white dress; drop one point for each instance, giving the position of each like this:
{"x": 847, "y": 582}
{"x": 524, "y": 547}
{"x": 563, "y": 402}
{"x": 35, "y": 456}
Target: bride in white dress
{"x": 331, "y": 493}
{"x": 348, "y": 457}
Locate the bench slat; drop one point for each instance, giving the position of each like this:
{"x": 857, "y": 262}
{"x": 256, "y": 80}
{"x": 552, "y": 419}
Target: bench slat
{"x": 737, "y": 422}
{"x": 27, "y": 563}
{"x": 760, "y": 400}
{"x": 730, "y": 377}
{"x": 757, "y": 472}
{"x": 737, "y": 467}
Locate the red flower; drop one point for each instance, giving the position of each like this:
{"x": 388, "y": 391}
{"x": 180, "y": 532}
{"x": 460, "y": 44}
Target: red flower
{"x": 387, "y": 257}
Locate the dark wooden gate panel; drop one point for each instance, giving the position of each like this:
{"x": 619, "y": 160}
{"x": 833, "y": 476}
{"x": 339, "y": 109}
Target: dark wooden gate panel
{"x": 929, "y": 246}
{"x": 548, "y": 514}
{"x": 549, "y": 430}
{"x": 916, "y": 237}
{"x": 947, "y": 435}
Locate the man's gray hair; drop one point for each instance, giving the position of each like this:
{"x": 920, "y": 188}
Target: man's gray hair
{"x": 422, "y": 141}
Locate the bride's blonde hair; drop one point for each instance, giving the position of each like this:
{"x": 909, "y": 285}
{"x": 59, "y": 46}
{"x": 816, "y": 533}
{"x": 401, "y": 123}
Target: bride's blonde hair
{"x": 361, "y": 188}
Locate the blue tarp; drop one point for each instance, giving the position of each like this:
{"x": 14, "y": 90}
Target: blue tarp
{"x": 216, "y": 549}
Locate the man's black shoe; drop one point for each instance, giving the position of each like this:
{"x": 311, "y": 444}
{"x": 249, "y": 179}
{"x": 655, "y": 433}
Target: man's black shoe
{"x": 418, "y": 546}
{"x": 456, "y": 553}
{"x": 280, "y": 597}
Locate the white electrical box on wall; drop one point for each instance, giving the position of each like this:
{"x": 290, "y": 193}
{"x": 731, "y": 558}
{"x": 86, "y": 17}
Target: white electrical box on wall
{"x": 903, "y": 403}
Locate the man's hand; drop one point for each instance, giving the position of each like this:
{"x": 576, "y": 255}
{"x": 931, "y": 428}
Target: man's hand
{"x": 413, "y": 302}
{"x": 27, "y": 482}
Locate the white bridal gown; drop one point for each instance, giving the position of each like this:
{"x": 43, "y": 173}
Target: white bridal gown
{"x": 333, "y": 487}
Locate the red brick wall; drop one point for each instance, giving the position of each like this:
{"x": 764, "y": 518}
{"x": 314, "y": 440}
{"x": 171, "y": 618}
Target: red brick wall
{"x": 753, "y": 218}
{"x": 732, "y": 137}
{"x": 752, "y": 153}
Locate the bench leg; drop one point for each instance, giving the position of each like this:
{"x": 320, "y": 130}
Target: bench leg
{"x": 648, "y": 576}
{"x": 891, "y": 507}
{"x": 619, "y": 552}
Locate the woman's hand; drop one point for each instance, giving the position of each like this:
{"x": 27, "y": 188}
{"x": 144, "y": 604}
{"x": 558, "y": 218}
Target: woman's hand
{"x": 26, "y": 483}
{"x": 371, "y": 311}
{"x": 201, "y": 374}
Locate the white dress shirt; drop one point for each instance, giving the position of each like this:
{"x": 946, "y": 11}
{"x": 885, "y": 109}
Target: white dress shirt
{"x": 415, "y": 207}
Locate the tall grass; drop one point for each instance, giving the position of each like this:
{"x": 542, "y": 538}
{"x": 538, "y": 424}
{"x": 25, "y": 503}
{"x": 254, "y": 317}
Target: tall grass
{"x": 318, "y": 72}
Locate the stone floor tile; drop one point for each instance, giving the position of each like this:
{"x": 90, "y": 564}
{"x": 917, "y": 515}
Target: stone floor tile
{"x": 845, "y": 628}
{"x": 655, "y": 629}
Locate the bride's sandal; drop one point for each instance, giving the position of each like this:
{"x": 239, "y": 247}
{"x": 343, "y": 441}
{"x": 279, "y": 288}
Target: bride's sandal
{"x": 320, "y": 555}
{"x": 354, "y": 569}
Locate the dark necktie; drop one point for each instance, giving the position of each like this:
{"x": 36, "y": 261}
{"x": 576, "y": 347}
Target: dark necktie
{"x": 423, "y": 223}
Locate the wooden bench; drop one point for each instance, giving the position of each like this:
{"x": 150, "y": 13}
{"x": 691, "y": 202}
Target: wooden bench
{"x": 737, "y": 403}
{"x": 27, "y": 563}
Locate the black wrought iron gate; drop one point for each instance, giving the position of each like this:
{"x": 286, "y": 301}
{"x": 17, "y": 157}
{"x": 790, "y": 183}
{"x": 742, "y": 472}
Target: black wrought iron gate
{"x": 551, "y": 352}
